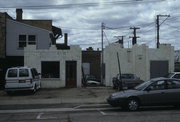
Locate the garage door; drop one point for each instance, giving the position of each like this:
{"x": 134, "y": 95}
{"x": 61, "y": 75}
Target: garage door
{"x": 158, "y": 68}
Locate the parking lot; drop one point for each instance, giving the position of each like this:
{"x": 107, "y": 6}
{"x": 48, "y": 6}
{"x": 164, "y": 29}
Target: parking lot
{"x": 55, "y": 96}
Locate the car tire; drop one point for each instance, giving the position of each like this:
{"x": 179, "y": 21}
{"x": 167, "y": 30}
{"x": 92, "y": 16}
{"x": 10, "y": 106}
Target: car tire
{"x": 9, "y": 92}
{"x": 133, "y": 104}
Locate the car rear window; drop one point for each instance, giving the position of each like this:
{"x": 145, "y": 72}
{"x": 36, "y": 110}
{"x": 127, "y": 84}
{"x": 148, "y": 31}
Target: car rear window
{"x": 12, "y": 73}
{"x": 23, "y": 73}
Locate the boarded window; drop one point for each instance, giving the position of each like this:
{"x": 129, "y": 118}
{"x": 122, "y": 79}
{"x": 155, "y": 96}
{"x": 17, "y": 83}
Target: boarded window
{"x": 50, "y": 69}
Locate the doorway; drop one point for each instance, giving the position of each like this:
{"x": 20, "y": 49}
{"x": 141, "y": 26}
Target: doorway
{"x": 71, "y": 73}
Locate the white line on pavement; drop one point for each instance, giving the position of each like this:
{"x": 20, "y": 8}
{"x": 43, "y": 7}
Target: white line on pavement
{"x": 39, "y": 115}
{"x": 103, "y": 113}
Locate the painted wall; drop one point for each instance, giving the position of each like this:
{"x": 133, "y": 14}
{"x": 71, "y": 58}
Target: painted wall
{"x": 33, "y": 58}
{"x": 14, "y": 29}
{"x": 135, "y": 60}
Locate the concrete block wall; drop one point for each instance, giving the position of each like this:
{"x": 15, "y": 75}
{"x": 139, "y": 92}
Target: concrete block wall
{"x": 33, "y": 58}
{"x": 135, "y": 60}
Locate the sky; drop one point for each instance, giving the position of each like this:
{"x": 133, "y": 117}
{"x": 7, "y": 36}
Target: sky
{"x": 82, "y": 19}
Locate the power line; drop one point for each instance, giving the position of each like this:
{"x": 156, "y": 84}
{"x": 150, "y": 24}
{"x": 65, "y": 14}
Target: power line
{"x": 63, "y": 6}
{"x": 178, "y": 29}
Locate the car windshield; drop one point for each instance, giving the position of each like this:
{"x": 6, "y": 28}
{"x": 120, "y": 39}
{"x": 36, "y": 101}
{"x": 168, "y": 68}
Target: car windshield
{"x": 168, "y": 75}
{"x": 143, "y": 85}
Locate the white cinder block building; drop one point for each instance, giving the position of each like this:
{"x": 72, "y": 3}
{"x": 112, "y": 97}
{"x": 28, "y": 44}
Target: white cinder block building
{"x": 58, "y": 68}
{"x": 140, "y": 60}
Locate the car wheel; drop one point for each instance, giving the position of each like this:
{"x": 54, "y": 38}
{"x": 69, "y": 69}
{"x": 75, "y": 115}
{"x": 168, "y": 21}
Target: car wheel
{"x": 9, "y": 92}
{"x": 132, "y": 104}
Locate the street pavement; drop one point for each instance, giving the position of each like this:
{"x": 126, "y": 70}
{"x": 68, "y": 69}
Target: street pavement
{"x": 88, "y": 95}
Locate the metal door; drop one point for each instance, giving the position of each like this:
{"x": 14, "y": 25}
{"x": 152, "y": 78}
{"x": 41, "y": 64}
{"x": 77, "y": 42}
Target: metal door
{"x": 71, "y": 73}
{"x": 158, "y": 68}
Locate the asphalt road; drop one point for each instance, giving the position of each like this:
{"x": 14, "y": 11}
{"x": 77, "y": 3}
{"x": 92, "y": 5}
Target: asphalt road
{"x": 88, "y": 113}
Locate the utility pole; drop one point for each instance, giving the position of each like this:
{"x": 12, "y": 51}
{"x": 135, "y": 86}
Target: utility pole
{"x": 120, "y": 40}
{"x": 102, "y": 51}
{"x": 158, "y": 26}
{"x": 134, "y": 38}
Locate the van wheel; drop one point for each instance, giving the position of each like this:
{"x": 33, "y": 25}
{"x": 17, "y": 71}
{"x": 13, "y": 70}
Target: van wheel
{"x": 9, "y": 92}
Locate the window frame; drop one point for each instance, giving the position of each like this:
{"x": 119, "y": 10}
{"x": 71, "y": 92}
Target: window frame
{"x": 22, "y": 41}
{"x": 33, "y": 41}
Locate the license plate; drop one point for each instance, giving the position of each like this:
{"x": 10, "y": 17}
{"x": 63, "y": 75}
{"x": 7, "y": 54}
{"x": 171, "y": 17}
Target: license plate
{"x": 21, "y": 81}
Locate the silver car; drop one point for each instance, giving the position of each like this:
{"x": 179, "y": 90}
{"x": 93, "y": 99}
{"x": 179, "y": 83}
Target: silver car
{"x": 158, "y": 91}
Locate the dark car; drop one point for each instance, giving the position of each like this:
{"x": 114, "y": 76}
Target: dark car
{"x": 158, "y": 91}
{"x": 129, "y": 81}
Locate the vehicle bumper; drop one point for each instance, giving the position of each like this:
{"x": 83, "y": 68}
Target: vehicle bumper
{"x": 116, "y": 101}
{"x": 19, "y": 89}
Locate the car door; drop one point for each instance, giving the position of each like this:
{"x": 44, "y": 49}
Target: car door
{"x": 154, "y": 93}
{"x": 173, "y": 91}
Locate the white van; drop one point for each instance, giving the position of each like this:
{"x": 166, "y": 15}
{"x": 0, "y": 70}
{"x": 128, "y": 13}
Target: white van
{"x": 22, "y": 78}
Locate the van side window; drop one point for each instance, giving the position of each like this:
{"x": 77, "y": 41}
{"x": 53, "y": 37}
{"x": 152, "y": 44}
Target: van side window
{"x": 23, "y": 73}
{"x": 12, "y": 73}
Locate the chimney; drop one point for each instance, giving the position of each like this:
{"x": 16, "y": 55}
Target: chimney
{"x": 65, "y": 38}
{"x": 19, "y": 14}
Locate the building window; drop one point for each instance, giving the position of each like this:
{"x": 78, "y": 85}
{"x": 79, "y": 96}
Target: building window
{"x": 31, "y": 39}
{"x": 22, "y": 41}
{"x": 50, "y": 69}
{"x": 25, "y": 40}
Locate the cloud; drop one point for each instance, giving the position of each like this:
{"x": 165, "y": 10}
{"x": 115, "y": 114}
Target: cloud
{"x": 83, "y": 23}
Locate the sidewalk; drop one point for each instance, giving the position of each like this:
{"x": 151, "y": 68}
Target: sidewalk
{"x": 89, "y": 95}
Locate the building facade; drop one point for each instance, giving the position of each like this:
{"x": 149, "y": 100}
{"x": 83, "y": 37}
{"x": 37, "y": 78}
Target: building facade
{"x": 58, "y": 68}
{"x": 16, "y": 34}
{"x": 91, "y": 61}
{"x": 140, "y": 60}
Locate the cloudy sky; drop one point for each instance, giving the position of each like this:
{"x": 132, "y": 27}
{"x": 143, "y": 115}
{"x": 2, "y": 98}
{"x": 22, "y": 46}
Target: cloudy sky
{"x": 82, "y": 19}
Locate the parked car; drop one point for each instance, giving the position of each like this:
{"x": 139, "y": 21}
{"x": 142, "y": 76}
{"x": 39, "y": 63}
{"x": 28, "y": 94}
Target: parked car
{"x": 173, "y": 75}
{"x": 22, "y": 78}
{"x": 93, "y": 83}
{"x": 90, "y": 77}
{"x": 91, "y": 80}
{"x": 129, "y": 81}
{"x": 157, "y": 91}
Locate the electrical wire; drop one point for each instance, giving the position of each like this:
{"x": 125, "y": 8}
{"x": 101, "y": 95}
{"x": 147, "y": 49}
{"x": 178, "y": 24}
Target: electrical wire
{"x": 63, "y": 6}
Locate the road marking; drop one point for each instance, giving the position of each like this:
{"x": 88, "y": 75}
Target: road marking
{"x": 39, "y": 116}
{"x": 54, "y": 110}
{"x": 103, "y": 113}
{"x": 76, "y": 107}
